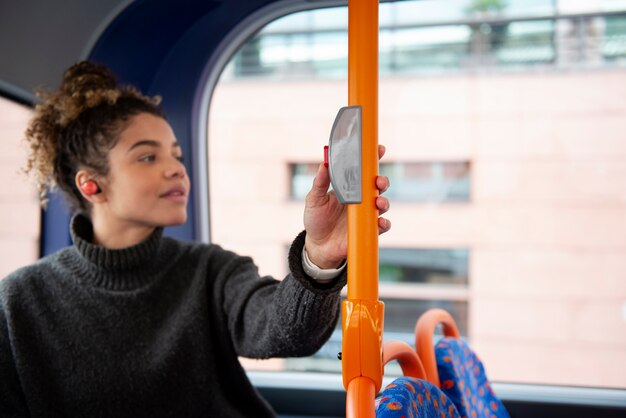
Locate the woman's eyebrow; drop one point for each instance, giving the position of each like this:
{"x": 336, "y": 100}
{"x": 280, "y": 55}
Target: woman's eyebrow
{"x": 148, "y": 142}
{"x": 151, "y": 143}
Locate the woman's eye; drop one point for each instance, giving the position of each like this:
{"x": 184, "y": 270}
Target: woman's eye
{"x": 180, "y": 158}
{"x": 147, "y": 158}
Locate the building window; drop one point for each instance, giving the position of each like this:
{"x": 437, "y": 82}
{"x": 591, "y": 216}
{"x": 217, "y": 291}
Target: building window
{"x": 425, "y": 37}
{"x": 424, "y": 266}
{"x": 301, "y": 176}
{"x": 410, "y": 182}
{"x": 402, "y": 314}
{"x": 423, "y": 50}
{"x": 413, "y": 280}
{"x": 428, "y": 181}
{"x": 519, "y": 43}
{"x": 614, "y": 40}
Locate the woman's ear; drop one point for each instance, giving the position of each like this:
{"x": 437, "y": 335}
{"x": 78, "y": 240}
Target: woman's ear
{"x": 89, "y": 187}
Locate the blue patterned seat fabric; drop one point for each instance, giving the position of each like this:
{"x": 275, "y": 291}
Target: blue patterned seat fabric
{"x": 409, "y": 397}
{"x": 462, "y": 378}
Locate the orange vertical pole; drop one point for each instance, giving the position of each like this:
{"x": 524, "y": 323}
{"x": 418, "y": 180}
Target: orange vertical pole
{"x": 363, "y": 91}
{"x": 362, "y": 312}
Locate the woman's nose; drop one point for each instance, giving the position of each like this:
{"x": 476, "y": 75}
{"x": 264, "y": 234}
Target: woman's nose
{"x": 175, "y": 169}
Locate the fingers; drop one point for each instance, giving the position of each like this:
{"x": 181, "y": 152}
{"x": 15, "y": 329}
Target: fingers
{"x": 382, "y": 183}
{"x": 384, "y": 225}
{"x": 382, "y": 204}
{"x": 381, "y": 151}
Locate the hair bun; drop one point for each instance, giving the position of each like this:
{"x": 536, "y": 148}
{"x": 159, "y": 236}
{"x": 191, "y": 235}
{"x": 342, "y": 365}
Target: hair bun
{"x": 87, "y": 76}
{"x": 85, "y": 85}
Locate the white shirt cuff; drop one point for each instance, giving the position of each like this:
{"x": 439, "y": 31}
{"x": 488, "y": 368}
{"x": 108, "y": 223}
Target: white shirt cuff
{"x": 318, "y": 274}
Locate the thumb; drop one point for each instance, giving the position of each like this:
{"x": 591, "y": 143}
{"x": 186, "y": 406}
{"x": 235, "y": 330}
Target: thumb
{"x": 320, "y": 184}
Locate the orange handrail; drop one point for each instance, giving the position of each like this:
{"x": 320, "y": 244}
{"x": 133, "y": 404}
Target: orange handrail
{"x": 406, "y": 357}
{"x": 362, "y": 312}
{"x": 424, "y": 331}
{"x": 361, "y": 397}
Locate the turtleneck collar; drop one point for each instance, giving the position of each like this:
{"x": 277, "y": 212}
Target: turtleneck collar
{"x": 118, "y": 269}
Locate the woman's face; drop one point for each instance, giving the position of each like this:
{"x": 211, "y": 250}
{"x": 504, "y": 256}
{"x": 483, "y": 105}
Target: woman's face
{"x": 147, "y": 184}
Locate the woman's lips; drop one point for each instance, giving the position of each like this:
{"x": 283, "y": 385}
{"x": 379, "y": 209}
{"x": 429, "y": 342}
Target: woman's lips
{"x": 177, "y": 193}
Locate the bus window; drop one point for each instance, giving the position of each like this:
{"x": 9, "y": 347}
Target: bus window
{"x": 19, "y": 206}
{"x": 504, "y": 125}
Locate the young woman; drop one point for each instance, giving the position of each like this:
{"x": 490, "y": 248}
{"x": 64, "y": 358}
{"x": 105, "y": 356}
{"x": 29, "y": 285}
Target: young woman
{"x": 126, "y": 322}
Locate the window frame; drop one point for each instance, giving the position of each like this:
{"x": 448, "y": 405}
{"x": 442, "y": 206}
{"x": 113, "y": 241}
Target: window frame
{"x": 548, "y": 394}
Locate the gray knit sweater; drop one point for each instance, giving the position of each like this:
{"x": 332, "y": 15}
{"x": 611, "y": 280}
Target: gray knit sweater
{"x": 153, "y": 330}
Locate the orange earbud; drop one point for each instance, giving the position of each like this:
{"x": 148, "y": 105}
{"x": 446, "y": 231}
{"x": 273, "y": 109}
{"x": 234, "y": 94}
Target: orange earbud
{"x": 90, "y": 188}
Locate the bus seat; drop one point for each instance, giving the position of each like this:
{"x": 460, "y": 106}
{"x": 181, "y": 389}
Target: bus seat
{"x": 411, "y": 397}
{"x": 454, "y": 367}
{"x": 464, "y": 380}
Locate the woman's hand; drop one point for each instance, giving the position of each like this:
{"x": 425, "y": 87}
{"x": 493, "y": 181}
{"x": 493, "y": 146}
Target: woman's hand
{"x": 325, "y": 219}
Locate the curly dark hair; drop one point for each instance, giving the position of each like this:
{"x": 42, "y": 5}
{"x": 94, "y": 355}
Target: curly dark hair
{"x": 76, "y": 126}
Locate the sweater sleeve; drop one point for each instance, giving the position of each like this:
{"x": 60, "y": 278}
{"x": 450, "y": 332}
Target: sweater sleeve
{"x": 12, "y": 403}
{"x": 270, "y": 318}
